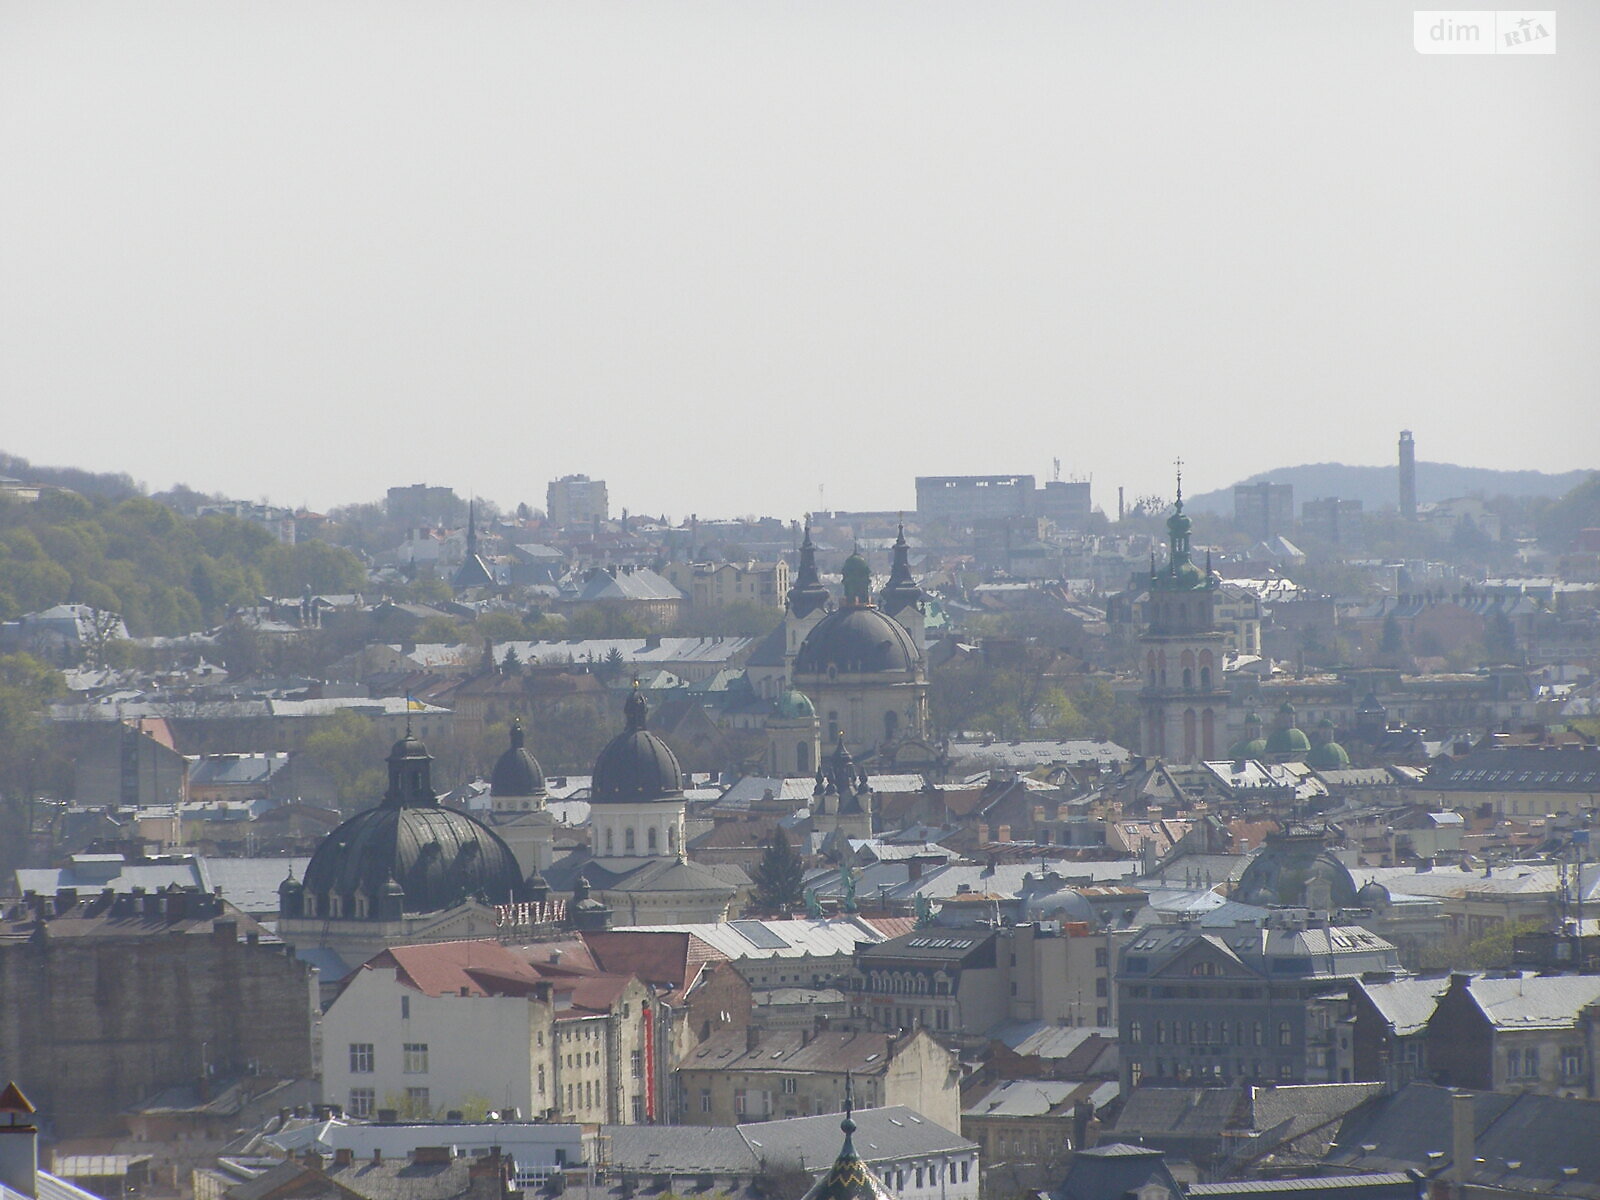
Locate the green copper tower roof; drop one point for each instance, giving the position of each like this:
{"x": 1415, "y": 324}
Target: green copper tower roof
{"x": 1180, "y": 574}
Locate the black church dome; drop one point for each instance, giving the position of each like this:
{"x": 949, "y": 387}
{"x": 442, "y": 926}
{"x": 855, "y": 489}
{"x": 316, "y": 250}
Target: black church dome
{"x": 636, "y": 765}
{"x": 516, "y": 772}
{"x": 856, "y": 639}
{"x": 437, "y": 856}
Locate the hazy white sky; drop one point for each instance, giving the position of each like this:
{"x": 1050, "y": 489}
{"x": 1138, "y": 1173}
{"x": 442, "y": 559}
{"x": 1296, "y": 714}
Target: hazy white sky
{"x": 727, "y": 255}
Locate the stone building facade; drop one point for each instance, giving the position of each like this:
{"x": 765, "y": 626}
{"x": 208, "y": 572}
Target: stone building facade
{"x": 106, "y": 1001}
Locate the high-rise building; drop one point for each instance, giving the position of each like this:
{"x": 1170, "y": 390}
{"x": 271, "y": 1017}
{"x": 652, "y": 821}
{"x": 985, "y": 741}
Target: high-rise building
{"x": 1408, "y": 476}
{"x": 1334, "y": 520}
{"x": 1263, "y": 509}
{"x": 420, "y": 504}
{"x": 577, "y": 500}
{"x": 966, "y": 500}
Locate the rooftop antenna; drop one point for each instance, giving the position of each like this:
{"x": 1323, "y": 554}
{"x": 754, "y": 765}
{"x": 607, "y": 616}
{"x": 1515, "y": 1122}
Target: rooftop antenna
{"x": 1056, "y": 472}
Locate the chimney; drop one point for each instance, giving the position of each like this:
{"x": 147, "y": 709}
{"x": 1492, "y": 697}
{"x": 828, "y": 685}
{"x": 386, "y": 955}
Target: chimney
{"x": 1463, "y": 1137}
{"x": 312, "y": 1159}
{"x": 19, "y": 1143}
{"x": 377, "y": 1156}
{"x": 486, "y": 1167}
{"x": 1005, "y": 833}
{"x": 344, "y": 1157}
{"x": 424, "y": 1155}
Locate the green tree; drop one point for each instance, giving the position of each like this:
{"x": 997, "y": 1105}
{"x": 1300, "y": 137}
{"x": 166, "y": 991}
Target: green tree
{"x": 779, "y": 874}
{"x": 1500, "y": 639}
{"x": 1492, "y": 951}
{"x": 351, "y": 748}
{"x": 604, "y": 619}
{"x": 31, "y": 765}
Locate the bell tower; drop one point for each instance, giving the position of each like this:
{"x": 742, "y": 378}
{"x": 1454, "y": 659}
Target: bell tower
{"x": 1184, "y": 700}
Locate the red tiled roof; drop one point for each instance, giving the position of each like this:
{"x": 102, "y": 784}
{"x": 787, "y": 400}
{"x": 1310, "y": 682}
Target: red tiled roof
{"x": 484, "y": 968}
{"x": 892, "y": 927}
{"x": 593, "y": 994}
{"x": 668, "y": 957}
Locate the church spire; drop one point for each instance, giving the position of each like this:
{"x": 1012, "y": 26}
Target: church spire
{"x": 901, "y": 591}
{"x": 808, "y": 593}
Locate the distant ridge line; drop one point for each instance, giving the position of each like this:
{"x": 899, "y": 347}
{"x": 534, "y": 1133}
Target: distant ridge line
{"x": 1379, "y": 487}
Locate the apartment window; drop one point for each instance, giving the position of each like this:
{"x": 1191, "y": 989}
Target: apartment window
{"x": 966, "y": 1170}
{"x": 405, "y": 1008}
{"x": 415, "y": 1058}
{"x": 1161, "y": 1032}
{"x": 1258, "y": 1033}
{"x": 638, "y": 1110}
{"x": 1101, "y": 958}
{"x": 569, "y": 1097}
{"x": 1285, "y": 1034}
{"x": 705, "y": 1100}
{"x": 1135, "y": 1031}
{"x": 417, "y": 1101}
{"x": 362, "y": 1101}
{"x": 790, "y": 1085}
{"x": 1100, "y": 987}
{"x": 1572, "y": 1060}
{"x": 919, "y": 1176}
{"x": 361, "y": 1058}
{"x": 541, "y": 1081}
{"x": 636, "y": 1062}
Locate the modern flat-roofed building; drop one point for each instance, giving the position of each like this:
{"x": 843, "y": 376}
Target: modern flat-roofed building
{"x": 576, "y": 500}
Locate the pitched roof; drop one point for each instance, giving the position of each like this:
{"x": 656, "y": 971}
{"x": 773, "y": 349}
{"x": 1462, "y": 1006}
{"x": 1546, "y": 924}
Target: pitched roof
{"x": 1534, "y": 1001}
{"x": 1406, "y": 1004}
{"x": 789, "y": 1051}
{"x": 1525, "y": 1141}
{"x": 467, "y": 968}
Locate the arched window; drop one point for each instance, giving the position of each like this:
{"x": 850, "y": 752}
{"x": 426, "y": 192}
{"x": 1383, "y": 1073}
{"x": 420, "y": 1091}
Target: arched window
{"x": 1188, "y": 679}
{"x": 1189, "y": 733}
{"x": 1205, "y": 679}
{"x": 891, "y": 725}
{"x": 672, "y": 837}
{"x": 650, "y": 839}
{"x": 802, "y": 757}
{"x": 627, "y": 840}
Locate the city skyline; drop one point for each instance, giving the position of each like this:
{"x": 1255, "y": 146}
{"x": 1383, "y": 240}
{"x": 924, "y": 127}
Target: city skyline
{"x": 737, "y": 261}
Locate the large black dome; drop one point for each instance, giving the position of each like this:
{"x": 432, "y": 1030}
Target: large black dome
{"x": 636, "y": 765}
{"x": 856, "y": 638}
{"x": 437, "y": 856}
{"x": 516, "y": 772}
{"x": 1296, "y": 869}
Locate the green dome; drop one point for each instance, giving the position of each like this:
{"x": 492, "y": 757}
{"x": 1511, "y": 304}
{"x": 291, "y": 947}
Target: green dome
{"x": 1328, "y": 756}
{"x": 1248, "y": 748}
{"x": 795, "y": 705}
{"x": 1288, "y": 742}
{"x": 1178, "y": 524}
